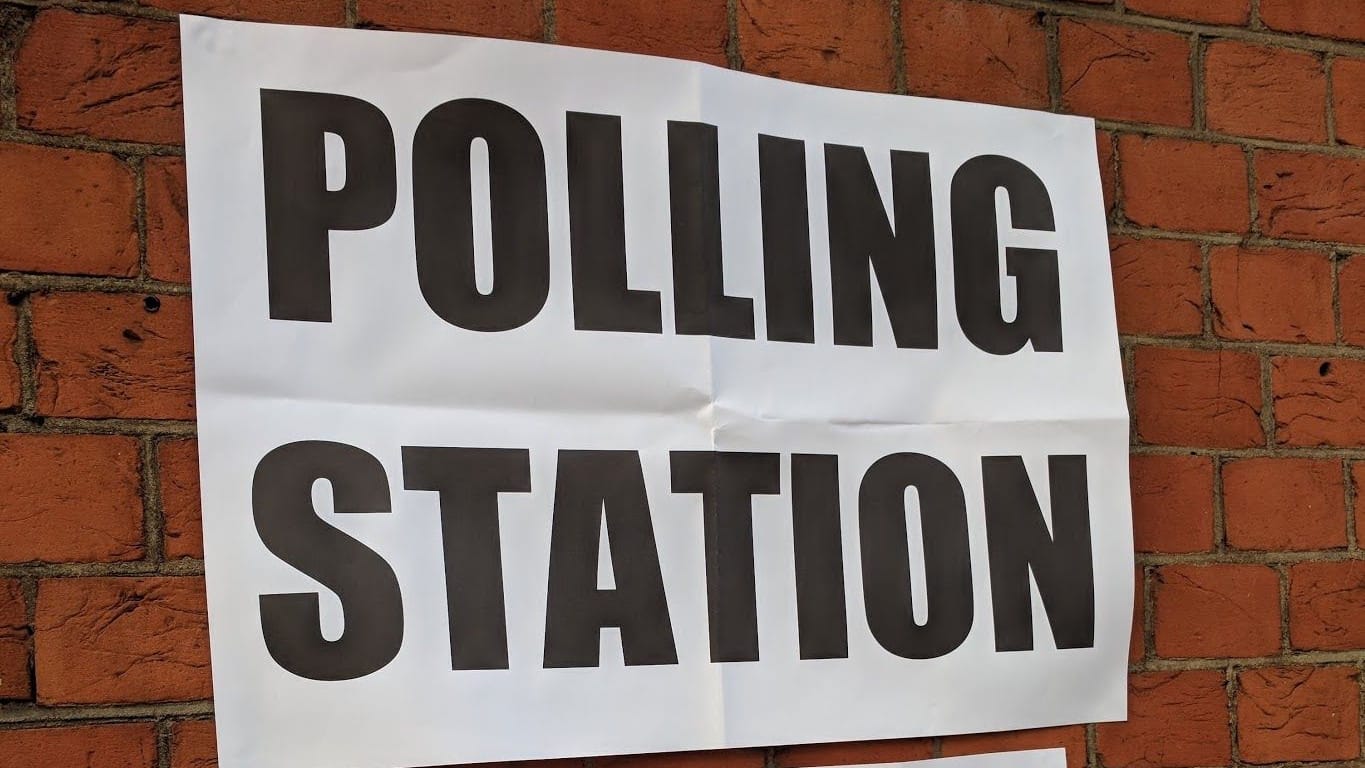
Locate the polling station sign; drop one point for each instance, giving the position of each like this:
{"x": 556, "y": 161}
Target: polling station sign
{"x": 556, "y": 402}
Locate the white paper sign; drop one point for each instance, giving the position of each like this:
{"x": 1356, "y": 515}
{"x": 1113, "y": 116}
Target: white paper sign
{"x": 556, "y": 402}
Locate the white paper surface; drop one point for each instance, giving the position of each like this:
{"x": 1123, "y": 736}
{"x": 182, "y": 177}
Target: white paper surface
{"x": 387, "y": 372}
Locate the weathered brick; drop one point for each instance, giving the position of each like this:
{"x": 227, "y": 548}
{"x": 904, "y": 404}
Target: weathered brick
{"x": 1351, "y": 297}
{"x": 113, "y": 77}
{"x": 194, "y": 745}
{"x": 1255, "y": 90}
{"x": 1209, "y": 398}
{"x": 1172, "y": 503}
{"x": 1120, "y": 72}
{"x": 1284, "y": 503}
{"x": 1348, "y": 99}
{"x": 854, "y": 753}
{"x": 1328, "y": 18}
{"x": 114, "y": 355}
{"x": 11, "y": 387}
{"x": 1157, "y": 288}
{"x": 975, "y": 52}
{"x": 694, "y": 29}
{"x": 1298, "y": 713}
{"x": 1319, "y": 401}
{"x": 168, "y": 234}
{"x": 1311, "y": 197}
{"x": 1326, "y": 601}
{"x": 1184, "y": 185}
{"x": 1175, "y": 720}
{"x": 69, "y": 498}
{"x": 16, "y": 683}
{"x": 1197, "y": 607}
{"x": 179, "y": 460}
{"x": 843, "y": 43}
{"x": 316, "y": 12}
{"x": 1072, "y": 738}
{"x": 519, "y": 19}
{"x": 1136, "y": 644}
{"x": 121, "y": 745}
{"x": 66, "y": 211}
{"x": 1211, "y": 11}
{"x": 1358, "y": 487}
{"x": 119, "y": 640}
{"x": 1272, "y": 294}
{"x": 729, "y": 758}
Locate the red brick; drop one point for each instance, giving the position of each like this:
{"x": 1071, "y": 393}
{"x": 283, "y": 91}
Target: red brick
{"x": 1329, "y": 18}
{"x": 843, "y": 43}
{"x": 194, "y": 745}
{"x": 1358, "y": 487}
{"x": 1184, "y": 185}
{"x": 854, "y": 753}
{"x": 1298, "y": 713}
{"x": 975, "y": 52}
{"x": 121, "y": 640}
{"x": 10, "y": 386}
{"x": 1126, "y": 73}
{"x": 69, "y": 498}
{"x": 519, "y": 19}
{"x": 1272, "y": 294}
{"x": 691, "y": 29}
{"x": 1319, "y": 401}
{"x": 728, "y": 758}
{"x": 1254, "y": 90}
{"x": 316, "y": 12}
{"x": 168, "y": 234}
{"x": 1172, "y": 503}
{"x": 179, "y": 460}
{"x": 1208, "y": 398}
{"x": 1104, "y": 146}
{"x": 1351, "y": 296}
{"x": 123, "y": 745}
{"x": 1280, "y": 504}
{"x": 1175, "y": 720}
{"x": 106, "y": 355}
{"x": 1136, "y": 645}
{"x": 1211, "y": 11}
{"x": 46, "y": 192}
{"x": 1313, "y": 197}
{"x": 1070, "y": 737}
{"x": 1348, "y": 99}
{"x": 1326, "y": 601}
{"x": 1157, "y": 288}
{"x": 112, "y": 77}
{"x": 15, "y": 680}
{"x": 1216, "y": 611}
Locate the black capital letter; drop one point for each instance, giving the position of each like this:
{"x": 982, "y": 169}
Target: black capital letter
{"x": 700, "y": 305}
{"x": 821, "y": 613}
{"x": 602, "y": 299}
{"x": 1061, "y": 562}
{"x": 902, "y": 257}
{"x": 443, "y": 216}
{"x": 886, "y": 558}
{"x": 372, "y": 606}
{"x": 786, "y": 239}
{"x": 727, "y": 482}
{"x": 469, "y": 481}
{"x": 590, "y": 487}
{"x": 299, "y": 208}
{"x": 976, "y": 254}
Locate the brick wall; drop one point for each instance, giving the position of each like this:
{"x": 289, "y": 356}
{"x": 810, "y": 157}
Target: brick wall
{"x": 1230, "y": 142}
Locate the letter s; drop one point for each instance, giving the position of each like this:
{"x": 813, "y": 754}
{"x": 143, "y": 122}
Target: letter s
{"x": 281, "y": 499}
